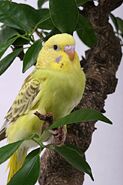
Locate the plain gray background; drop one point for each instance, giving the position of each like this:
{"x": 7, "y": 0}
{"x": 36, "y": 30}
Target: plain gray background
{"x": 105, "y": 153}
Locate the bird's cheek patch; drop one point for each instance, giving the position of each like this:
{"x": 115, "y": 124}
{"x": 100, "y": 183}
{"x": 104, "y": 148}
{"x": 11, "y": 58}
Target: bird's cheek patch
{"x": 58, "y": 59}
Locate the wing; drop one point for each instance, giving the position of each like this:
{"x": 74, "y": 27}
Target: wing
{"x": 2, "y": 133}
{"x": 28, "y": 97}
{"x": 25, "y": 99}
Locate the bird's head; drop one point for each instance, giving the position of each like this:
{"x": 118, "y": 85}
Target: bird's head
{"x": 58, "y": 53}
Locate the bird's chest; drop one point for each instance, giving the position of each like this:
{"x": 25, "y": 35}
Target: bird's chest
{"x": 61, "y": 95}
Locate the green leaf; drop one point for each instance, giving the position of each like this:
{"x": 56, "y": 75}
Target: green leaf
{"x": 22, "y": 39}
{"x": 75, "y": 158}
{"x": 114, "y": 20}
{"x": 41, "y": 2}
{"x": 19, "y": 16}
{"x": 8, "y": 150}
{"x": 45, "y": 21}
{"x": 85, "y": 31}
{"x": 120, "y": 24}
{"x": 32, "y": 154}
{"x": 7, "y": 61}
{"x": 82, "y": 2}
{"x": 29, "y": 172}
{"x": 64, "y": 14}
{"x": 6, "y": 44}
{"x": 24, "y": 17}
{"x": 7, "y": 33}
{"x": 82, "y": 115}
{"x": 7, "y": 37}
{"x": 31, "y": 55}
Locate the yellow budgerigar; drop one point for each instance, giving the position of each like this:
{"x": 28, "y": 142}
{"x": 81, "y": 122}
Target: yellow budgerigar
{"x": 55, "y": 86}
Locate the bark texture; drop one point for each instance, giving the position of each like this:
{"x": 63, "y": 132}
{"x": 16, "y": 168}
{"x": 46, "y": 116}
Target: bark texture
{"x": 100, "y": 65}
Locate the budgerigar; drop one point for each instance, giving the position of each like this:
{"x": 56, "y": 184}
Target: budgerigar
{"x": 56, "y": 85}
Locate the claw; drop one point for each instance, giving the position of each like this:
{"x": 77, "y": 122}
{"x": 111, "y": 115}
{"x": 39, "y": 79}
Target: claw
{"x": 59, "y": 135}
{"x": 47, "y": 117}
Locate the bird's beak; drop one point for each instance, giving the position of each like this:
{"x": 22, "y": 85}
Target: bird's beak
{"x": 70, "y": 50}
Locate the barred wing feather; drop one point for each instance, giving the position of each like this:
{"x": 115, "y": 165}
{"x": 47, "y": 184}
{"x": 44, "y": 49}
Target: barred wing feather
{"x": 23, "y": 101}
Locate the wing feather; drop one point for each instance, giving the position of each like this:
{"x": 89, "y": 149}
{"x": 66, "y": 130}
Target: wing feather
{"x": 23, "y": 101}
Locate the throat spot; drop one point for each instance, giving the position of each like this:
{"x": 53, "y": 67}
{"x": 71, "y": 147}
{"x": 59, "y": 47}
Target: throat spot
{"x": 58, "y": 59}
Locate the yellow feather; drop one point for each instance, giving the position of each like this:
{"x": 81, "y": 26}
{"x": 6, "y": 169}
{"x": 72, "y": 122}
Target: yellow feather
{"x": 16, "y": 162}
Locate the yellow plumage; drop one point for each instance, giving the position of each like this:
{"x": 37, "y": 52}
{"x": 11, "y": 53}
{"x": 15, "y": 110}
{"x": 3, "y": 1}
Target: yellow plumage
{"x": 56, "y": 86}
{"x": 16, "y": 162}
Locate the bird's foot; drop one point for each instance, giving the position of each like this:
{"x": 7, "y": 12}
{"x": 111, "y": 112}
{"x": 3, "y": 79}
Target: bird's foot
{"x": 59, "y": 136}
{"x": 47, "y": 117}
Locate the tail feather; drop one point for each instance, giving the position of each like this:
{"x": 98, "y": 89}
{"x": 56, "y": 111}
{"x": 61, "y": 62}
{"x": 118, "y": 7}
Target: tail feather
{"x": 16, "y": 162}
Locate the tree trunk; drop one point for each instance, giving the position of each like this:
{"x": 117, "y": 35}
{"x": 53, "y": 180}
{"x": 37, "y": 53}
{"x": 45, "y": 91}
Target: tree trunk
{"x": 100, "y": 65}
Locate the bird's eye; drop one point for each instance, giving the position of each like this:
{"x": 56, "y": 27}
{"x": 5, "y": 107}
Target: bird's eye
{"x": 55, "y": 47}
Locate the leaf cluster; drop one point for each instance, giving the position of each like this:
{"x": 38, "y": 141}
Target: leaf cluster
{"x": 30, "y": 170}
{"x": 20, "y": 23}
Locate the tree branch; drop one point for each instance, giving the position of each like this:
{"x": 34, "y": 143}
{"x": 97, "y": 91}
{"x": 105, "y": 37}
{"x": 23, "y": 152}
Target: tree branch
{"x": 110, "y": 5}
{"x": 100, "y": 65}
